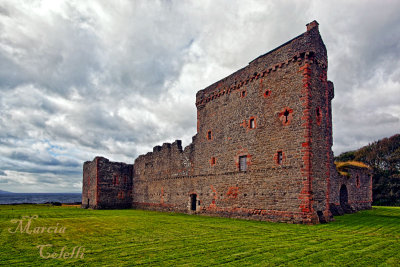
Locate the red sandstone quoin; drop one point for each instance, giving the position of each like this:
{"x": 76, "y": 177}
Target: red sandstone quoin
{"x": 262, "y": 149}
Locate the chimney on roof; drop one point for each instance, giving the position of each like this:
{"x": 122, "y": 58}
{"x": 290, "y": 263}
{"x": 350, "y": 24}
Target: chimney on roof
{"x": 311, "y": 25}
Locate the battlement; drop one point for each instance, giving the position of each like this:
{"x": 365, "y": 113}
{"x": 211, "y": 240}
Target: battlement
{"x": 159, "y": 151}
{"x": 165, "y": 161}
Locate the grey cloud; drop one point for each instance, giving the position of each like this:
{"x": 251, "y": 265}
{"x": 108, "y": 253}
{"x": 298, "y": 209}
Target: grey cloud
{"x": 63, "y": 54}
{"x": 4, "y": 11}
{"x": 23, "y": 156}
{"x": 115, "y": 79}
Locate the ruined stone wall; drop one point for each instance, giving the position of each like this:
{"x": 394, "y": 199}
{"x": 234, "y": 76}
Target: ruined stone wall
{"x": 156, "y": 175}
{"x": 358, "y": 185}
{"x": 89, "y": 184}
{"x": 110, "y": 184}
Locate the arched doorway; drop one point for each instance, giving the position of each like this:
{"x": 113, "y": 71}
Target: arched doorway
{"x": 344, "y": 197}
{"x": 193, "y": 202}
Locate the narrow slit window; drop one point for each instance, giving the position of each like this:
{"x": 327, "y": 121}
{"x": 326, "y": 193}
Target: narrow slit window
{"x": 209, "y": 135}
{"x": 279, "y": 157}
{"x": 243, "y": 163}
{"x": 213, "y": 161}
{"x": 318, "y": 115}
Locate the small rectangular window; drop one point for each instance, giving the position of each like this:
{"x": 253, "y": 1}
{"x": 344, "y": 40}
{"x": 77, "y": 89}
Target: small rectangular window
{"x": 243, "y": 163}
{"x": 280, "y": 157}
{"x": 252, "y": 124}
{"x": 209, "y": 135}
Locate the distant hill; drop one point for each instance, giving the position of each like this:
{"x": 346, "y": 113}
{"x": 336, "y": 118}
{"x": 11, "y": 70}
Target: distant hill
{"x": 384, "y": 158}
{"x": 4, "y": 192}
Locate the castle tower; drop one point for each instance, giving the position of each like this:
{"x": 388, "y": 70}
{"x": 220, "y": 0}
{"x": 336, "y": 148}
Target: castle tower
{"x": 275, "y": 117}
{"x": 262, "y": 148}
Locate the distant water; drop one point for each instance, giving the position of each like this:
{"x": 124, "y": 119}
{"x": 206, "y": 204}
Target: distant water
{"x": 39, "y": 198}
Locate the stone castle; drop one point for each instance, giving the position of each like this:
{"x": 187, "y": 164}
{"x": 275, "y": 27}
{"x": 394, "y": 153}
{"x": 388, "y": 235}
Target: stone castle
{"x": 262, "y": 149}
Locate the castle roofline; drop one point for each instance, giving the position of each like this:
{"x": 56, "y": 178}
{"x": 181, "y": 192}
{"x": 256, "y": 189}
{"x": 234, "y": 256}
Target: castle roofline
{"x": 276, "y": 48}
{"x": 309, "y": 42}
{"x": 282, "y": 45}
{"x": 310, "y": 26}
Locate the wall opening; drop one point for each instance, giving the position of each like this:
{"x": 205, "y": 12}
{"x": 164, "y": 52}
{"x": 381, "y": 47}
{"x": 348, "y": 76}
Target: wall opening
{"x": 344, "y": 197}
{"x": 243, "y": 93}
{"x": 358, "y": 184}
{"x": 286, "y": 114}
{"x": 212, "y": 161}
{"x": 279, "y": 157}
{"x": 267, "y": 93}
{"x": 318, "y": 115}
{"x": 88, "y": 202}
{"x": 193, "y": 202}
{"x": 252, "y": 123}
{"x": 209, "y": 135}
{"x": 243, "y": 163}
{"x": 321, "y": 217}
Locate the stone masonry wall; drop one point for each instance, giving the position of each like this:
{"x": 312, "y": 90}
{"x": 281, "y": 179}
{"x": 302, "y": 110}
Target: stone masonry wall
{"x": 359, "y": 191}
{"x": 111, "y": 184}
{"x": 89, "y": 184}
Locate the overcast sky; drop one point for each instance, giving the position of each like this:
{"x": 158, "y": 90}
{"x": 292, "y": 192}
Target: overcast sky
{"x": 115, "y": 78}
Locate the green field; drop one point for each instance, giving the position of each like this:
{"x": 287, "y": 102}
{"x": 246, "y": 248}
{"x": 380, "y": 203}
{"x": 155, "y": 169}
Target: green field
{"x": 135, "y": 237}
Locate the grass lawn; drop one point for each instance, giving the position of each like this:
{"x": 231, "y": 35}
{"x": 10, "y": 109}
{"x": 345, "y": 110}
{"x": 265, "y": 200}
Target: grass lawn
{"x": 135, "y": 237}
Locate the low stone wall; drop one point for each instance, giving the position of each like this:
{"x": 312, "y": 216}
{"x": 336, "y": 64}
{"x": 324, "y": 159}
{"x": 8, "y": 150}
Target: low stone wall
{"x": 357, "y": 186}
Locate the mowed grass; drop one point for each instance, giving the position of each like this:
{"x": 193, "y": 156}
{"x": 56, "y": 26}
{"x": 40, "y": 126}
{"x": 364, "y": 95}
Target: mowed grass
{"x": 135, "y": 237}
